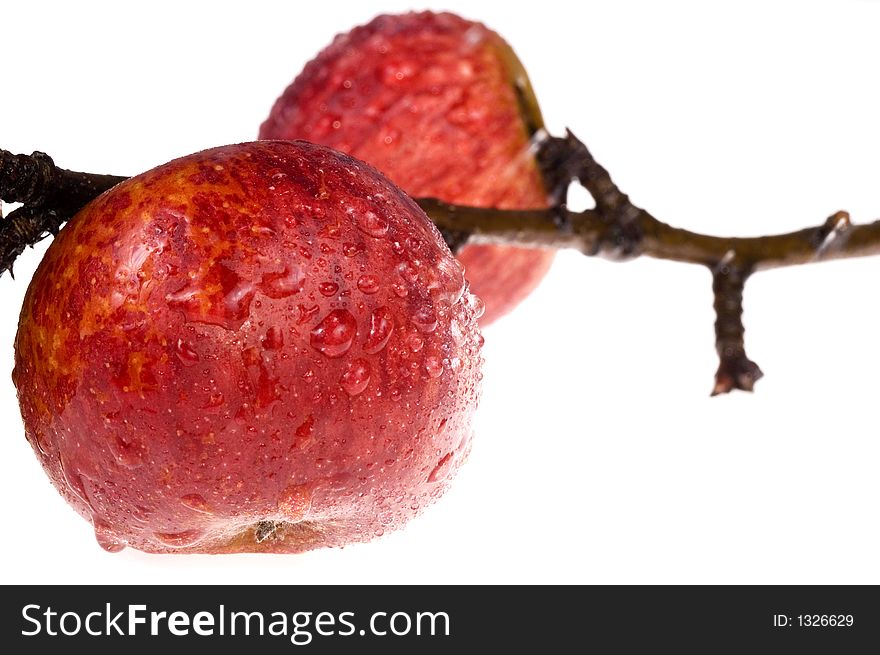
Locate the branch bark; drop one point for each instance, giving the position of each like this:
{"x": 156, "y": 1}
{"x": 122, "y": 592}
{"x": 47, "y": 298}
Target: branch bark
{"x": 50, "y": 197}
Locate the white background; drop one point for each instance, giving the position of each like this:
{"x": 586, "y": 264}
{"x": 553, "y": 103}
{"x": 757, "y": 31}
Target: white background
{"x": 600, "y": 457}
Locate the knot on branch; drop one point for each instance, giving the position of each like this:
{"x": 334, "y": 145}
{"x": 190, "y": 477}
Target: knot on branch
{"x": 566, "y": 159}
{"x": 50, "y": 196}
{"x": 622, "y": 236}
{"x": 28, "y": 179}
{"x": 832, "y": 234}
{"x": 735, "y": 369}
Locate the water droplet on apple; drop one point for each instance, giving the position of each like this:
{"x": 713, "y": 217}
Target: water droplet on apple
{"x": 129, "y": 452}
{"x": 433, "y": 366}
{"x": 284, "y": 284}
{"x": 305, "y": 429}
{"x": 370, "y": 223}
{"x": 425, "y": 319}
{"x": 228, "y": 310}
{"x": 196, "y": 502}
{"x": 409, "y": 271}
{"x": 305, "y": 313}
{"x": 186, "y": 353}
{"x": 368, "y": 284}
{"x": 381, "y": 327}
{"x": 351, "y": 249}
{"x": 75, "y": 482}
{"x": 456, "y": 332}
{"x": 476, "y": 304}
{"x": 238, "y": 301}
{"x": 334, "y": 335}
{"x": 274, "y": 339}
{"x": 251, "y": 357}
{"x": 356, "y": 378}
{"x": 400, "y": 290}
{"x": 180, "y": 539}
{"x": 442, "y": 470}
{"x": 328, "y": 288}
{"x": 106, "y": 537}
{"x": 215, "y": 400}
{"x": 415, "y": 342}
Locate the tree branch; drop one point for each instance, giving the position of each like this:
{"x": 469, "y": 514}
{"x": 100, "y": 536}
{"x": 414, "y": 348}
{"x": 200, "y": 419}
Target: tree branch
{"x": 735, "y": 369}
{"x": 615, "y": 228}
{"x": 50, "y": 197}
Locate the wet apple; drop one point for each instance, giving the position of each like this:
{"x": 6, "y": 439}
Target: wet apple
{"x": 263, "y": 347}
{"x": 443, "y": 107}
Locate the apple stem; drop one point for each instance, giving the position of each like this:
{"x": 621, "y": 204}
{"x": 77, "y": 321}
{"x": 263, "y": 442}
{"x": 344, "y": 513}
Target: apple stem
{"x": 616, "y": 229}
{"x": 50, "y": 196}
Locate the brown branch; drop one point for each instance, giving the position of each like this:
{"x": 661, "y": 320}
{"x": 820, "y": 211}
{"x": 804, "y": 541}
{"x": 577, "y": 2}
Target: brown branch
{"x": 616, "y": 229}
{"x": 735, "y": 369}
{"x": 50, "y": 197}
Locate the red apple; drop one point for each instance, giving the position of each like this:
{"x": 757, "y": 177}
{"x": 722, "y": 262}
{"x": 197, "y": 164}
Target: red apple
{"x": 444, "y": 108}
{"x": 261, "y": 347}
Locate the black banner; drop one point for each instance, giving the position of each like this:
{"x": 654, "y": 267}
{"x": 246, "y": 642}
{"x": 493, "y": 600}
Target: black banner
{"x": 334, "y": 619}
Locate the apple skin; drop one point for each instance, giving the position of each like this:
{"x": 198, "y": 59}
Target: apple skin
{"x": 264, "y": 347}
{"x": 442, "y": 106}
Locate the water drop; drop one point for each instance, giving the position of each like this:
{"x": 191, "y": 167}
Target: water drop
{"x": 221, "y": 298}
{"x": 195, "y": 502}
{"x": 425, "y": 319}
{"x": 106, "y": 537}
{"x": 238, "y": 301}
{"x": 400, "y": 290}
{"x": 356, "y": 378}
{"x": 306, "y": 313}
{"x": 456, "y": 332}
{"x": 409, "y": 271}
{"x": 130, "y": 454}
{"x": 442, "y": 470}
{"x": 295, "y": 502}
{"x": 368, "y": 284}
{"x": 351, "y": 249}
{"x": 334, "y": 335}
{"x": 452, "y": 285}
{"x": 433, "y": 366}
{"x": 476, "y": 304}
{"x": 180, "y": 539}
{"x": 328, "y": 288}
{"x": 274, "y": 338}
{"x": 415, "y": 342}
{"x": 371, "y": 223}
{"x": 281, "y": 285}
{"x": 251, "y": 356}
{"x": 381, "y": 327}
{"x": 215, "y": 400}
{"x": 305, "y": 430}
{"x": 186, "y": 353}
{"x": 75, "y": 483}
